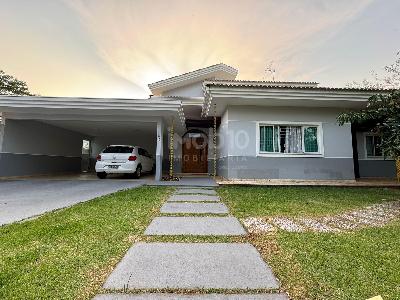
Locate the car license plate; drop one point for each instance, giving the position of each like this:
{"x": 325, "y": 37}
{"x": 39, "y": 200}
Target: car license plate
{"x": 113, "y": 167}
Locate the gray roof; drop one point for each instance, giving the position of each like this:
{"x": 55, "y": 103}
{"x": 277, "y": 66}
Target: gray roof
{"x": 285, "y": 85}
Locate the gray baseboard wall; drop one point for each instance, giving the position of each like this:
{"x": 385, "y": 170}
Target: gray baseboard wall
{"x": 12, "y": 164}
{"x": 377, "y": 168}
{"x": 313, "y": 168}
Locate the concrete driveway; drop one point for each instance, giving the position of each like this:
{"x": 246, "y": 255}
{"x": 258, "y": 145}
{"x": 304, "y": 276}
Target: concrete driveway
{"x": 21, "y": 199}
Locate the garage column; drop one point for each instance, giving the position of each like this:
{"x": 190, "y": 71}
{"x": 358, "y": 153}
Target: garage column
{"x": 159, "y": 150}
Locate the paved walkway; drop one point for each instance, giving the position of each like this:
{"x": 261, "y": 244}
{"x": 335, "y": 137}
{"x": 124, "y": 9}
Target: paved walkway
{"x": 198, "y": 267}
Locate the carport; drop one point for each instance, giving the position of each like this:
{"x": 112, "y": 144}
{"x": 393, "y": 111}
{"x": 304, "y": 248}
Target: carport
{"x": 44, "y": 135}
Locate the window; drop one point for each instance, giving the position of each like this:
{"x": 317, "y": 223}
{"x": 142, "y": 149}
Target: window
{"x": 289, "y": 139}
{"x": 373, "y": 145}
{"x": 118, "y": 149}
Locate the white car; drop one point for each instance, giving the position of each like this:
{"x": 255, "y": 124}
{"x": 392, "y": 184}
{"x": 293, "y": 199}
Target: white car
{"x": 124, "y": 159}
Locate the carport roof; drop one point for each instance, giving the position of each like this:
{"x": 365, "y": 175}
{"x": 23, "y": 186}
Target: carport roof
{"x": 71, "y": 107}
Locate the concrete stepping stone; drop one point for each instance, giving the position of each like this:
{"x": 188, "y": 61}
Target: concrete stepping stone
{"x": 196, "y": 191}
{"x": 191, "y": 266}
{"x": 195, "y": 187}
{"x": 193, "y": 198}
{"x": 280, "y": 296}
{"x": 194, "y": 208}
{"x": 195, "y": 226}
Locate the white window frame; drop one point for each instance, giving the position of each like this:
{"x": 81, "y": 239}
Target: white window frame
{"x": 366, "y": 157}
{"x": 320, "y": 152}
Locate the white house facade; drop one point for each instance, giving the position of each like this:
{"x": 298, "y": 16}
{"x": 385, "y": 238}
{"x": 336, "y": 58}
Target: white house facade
{"x": 236, "y": 129}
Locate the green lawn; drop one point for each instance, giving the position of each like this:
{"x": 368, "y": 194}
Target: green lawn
{"x": 301, "y": 201}
{"x": 67, "y": 254}
{"x": 356, "y": 265}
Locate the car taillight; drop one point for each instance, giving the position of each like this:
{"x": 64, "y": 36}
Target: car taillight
{"x": 132, "y": 158}
{"x": 98, "y": 158}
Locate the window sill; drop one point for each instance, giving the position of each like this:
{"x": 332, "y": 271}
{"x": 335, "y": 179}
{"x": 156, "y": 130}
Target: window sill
{"x": 290, "y": 155}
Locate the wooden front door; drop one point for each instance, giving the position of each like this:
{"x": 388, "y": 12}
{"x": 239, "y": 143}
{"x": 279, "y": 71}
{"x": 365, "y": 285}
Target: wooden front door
{"x": 194, "y": 154}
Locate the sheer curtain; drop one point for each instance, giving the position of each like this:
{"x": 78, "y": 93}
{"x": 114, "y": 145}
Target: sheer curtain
{"x": 293, "y": 139}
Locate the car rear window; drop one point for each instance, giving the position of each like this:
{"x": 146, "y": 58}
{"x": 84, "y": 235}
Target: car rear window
{"x": 118, "y": 149}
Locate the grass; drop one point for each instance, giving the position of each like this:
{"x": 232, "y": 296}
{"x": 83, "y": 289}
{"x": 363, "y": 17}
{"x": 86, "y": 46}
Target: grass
{"x": 301, "y": 201}
{"x": 356, "y": 265}
{"x": 67, "y": 254}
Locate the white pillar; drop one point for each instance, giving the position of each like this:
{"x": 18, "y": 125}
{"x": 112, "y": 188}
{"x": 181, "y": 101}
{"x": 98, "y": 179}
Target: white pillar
{"x": 159, "y": 150}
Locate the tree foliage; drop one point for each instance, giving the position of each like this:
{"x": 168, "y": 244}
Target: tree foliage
{"x": 10, "y": 85}
{"x": 382, "y": 114}
{"x": 389, "y": 80}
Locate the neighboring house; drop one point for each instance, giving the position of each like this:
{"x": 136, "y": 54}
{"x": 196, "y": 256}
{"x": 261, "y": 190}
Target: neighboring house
{"x": 273, "y": 130}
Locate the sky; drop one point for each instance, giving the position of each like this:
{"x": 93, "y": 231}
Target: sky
{"x": 114, "y": 48}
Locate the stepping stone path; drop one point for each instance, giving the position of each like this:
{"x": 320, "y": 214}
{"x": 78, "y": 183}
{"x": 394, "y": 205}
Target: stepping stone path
{"x": 196, "y": 191}
{"x": 195, "y": 226}
{"x": 198, "y": 267}
{"x": 194, "y": 208}
{"x": 192, "y": 266}
{"x": 191, "y": 297}
{"x": 371, "y": 216}
{"x": 193, "y": 198}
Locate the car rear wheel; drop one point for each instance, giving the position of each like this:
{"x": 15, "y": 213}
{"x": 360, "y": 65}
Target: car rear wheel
{"x": 101, "y": 175}
{"x": 138, "y": 172}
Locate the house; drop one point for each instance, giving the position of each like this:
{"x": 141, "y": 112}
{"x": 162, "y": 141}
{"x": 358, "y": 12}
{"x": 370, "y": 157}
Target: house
{"x": 236, "y": 129}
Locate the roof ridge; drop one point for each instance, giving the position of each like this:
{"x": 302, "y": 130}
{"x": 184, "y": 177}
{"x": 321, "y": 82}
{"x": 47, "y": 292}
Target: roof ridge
{"x": 192, "y": 71}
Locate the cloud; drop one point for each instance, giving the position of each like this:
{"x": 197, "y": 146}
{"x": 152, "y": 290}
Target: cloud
{"x": 145, "y": 41}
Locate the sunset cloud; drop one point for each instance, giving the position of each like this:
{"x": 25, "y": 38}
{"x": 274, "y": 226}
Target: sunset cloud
{"x": 115, "y": 48}
{"x": 145, "y": 41}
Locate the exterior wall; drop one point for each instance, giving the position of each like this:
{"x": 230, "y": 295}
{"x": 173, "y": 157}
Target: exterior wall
{"x": 373, "y": 167}
{"x": 246, "y": 167}
{"x": 240, "y": 159}
{"x": 31, "y": 148}
{"x": 146, "y": 140}
{"x": 1, "y": 134}
{"x": 191, "y": 90}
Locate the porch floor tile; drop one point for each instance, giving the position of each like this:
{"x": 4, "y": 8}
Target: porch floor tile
{"x": 192, "y": 266}
{"x": 195, "y": 226}
{"x": 193, "y": 198}
{"x": 194, "y": 208}
{"x": 196, "y": 191}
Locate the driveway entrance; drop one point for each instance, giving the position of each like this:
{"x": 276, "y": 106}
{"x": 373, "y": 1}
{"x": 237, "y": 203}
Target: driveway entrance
{"x": 22, "y": 199}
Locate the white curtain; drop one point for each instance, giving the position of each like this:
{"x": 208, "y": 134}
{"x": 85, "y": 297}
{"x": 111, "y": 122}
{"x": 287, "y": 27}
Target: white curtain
{"x": 293, "y": 139}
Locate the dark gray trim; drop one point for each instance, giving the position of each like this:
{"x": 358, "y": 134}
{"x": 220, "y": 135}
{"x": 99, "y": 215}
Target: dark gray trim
{"x": 377, "y": 168}
{"x": 27, "y": 164}
{"x": 248, "y": 167}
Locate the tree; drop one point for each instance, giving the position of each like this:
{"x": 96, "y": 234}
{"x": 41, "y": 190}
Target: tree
{"x": 382, "y": 115}
{"x": 10, "y": 85}
{"x": 389, "y": 80}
